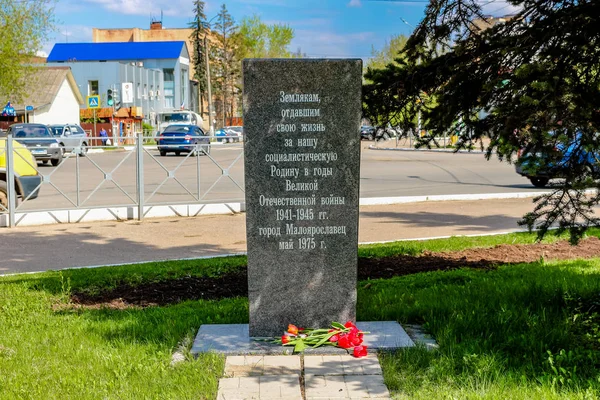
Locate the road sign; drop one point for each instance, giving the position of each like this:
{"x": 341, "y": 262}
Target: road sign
{"x": 29, "y": 108}
{"x": 93, "y": 101}
{"x": 127, "y": 92}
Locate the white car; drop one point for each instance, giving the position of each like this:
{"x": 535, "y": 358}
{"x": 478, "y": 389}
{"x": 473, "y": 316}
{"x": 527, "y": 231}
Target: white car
{"x": 71, "y": 137}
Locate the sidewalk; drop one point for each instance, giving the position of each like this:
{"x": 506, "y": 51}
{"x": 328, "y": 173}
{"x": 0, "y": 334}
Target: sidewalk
{"x": 289, "y": 377}
{"x": 38, "y": 248}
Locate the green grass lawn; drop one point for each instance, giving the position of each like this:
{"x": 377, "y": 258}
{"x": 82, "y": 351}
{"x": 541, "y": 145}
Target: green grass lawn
{"x": 529, "y": 331}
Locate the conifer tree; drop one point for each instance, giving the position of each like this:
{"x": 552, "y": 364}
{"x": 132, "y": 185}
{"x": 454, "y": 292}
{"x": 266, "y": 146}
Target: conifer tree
{"x": 226, "y": 62}
{"x": 199, "y": 31}
{"x": 532, "y": 82}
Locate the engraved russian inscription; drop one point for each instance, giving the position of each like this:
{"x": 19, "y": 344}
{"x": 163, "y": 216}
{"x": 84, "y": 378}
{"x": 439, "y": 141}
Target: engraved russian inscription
{"x": 302, "y": 155}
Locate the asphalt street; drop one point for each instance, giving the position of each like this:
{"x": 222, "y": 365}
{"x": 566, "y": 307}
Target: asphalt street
{"x": 109, "y": 178}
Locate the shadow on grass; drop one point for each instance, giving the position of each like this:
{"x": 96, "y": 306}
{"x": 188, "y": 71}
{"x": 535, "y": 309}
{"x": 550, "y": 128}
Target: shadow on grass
{"x": 159, "y": 324}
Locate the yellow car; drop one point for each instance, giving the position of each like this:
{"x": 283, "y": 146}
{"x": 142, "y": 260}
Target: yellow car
{"x": 27, "y": 178}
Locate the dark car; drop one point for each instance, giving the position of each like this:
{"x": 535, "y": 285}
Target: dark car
{"x": 183, "y": 139}
{"x": 40, "y": 142}
{"x": 367, "y": 132}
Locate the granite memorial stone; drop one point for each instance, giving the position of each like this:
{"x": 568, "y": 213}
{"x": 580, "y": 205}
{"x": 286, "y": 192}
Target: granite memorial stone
{"x": 302, "y": 164}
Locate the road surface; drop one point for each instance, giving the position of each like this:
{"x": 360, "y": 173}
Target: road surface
{"x": 109, "y": 178}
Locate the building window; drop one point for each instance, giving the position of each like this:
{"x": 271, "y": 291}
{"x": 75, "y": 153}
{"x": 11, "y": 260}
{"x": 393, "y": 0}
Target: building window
{"x": 184, "y": 78}
{"x": 169, "y": 74}
{"x": 92, "y": 88}
{"x": 139, "y": 91}
{"x": 169, "y": 93}
{"x": 151, "y": 92}
{"x": 145, "y": 91}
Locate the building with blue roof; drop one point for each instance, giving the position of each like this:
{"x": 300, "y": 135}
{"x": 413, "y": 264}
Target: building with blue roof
{"x": 157, "y": 71}
{"x": 118, "y": 51}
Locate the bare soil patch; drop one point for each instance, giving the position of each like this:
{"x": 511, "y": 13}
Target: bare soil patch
{"x": 235, "y": 284}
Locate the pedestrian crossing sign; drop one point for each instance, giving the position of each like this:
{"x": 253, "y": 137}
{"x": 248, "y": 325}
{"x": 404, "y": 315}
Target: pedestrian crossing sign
{"x": 93, "y": 101}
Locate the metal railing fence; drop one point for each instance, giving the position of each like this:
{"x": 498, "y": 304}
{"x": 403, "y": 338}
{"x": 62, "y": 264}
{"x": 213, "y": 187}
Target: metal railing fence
{"x": 130, "y": 172}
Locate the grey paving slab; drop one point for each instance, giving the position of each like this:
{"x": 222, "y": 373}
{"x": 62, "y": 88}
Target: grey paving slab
{"x": 260, "y": 387}
{"x": 234, "y": 339}
{"x": 416, "y": 333}
{"x": 341, "y": 365}
{"x": 237, "y": 366}
{"x": 323, "y": 365}
{"x": 318, "y": 387}
{"x": 325, "y": 377}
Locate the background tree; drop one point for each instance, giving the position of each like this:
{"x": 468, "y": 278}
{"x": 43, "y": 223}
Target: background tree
{"x": 260, "y": 40}
{"x": 227, "y": 68}
{"x": 380, "y": 58}
{"x": 199, "y": 31}
{"x": 25, "y": 26}
{"x": 533, "y": 81}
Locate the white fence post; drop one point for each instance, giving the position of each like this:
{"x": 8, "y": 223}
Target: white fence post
{"x": 140, "y": 174}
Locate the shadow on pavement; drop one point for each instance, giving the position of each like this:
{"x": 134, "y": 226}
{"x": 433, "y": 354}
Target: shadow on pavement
{"x": 458, "y": 222}
{"x": 58, "y": 247}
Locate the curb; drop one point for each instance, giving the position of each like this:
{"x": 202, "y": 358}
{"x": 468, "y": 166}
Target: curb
{"x": 34, "y": 217}
{"x": 378, "y": 201}
{"x": 373, "y": 147}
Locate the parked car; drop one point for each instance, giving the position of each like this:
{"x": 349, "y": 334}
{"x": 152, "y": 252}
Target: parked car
{"x": 181, "y": 138}
{"x": 226, "y": 135}
{"x": 72, "y": 137}
{"x": 371, "y": 133}
{"x": 539, "y": 167}
{"x": 238, "y": 130}
{"x": 367, "y": 132}
{"x": 387, "y": 133}
{"x": 40, "y": 142}
{"x": 27, "y": 178}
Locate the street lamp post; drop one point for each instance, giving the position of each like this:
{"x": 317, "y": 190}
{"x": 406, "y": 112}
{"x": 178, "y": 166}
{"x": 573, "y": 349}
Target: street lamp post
{"x": 208, "y": 84}
{"x": 210, "y": 122}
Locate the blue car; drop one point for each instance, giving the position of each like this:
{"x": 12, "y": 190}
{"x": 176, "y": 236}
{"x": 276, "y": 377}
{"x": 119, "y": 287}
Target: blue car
{"x": 182, "y": 138}
{"x": 540, "y": 167}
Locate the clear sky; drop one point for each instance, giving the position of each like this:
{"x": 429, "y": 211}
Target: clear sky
{"x": 323, "y": 28}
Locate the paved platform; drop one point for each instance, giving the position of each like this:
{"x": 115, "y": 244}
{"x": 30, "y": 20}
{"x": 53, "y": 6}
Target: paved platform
{"x": 234, "y": 339}
{"x": 308, "y": 377}
{"x": 34, "y": 248}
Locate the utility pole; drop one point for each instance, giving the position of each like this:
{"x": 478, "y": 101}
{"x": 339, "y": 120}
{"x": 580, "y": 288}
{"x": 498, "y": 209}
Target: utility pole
{"x": 210, "y": 107}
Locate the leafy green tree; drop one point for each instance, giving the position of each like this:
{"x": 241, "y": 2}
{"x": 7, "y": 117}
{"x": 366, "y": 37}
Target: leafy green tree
{"x": 227, "y": 69}
{"x": 380, "y": 58}
{"x": 199, "y": 55}
{"x": 260, "y": 40}
{"x": 531, "y": 82}
{"x": 24, "y": 26}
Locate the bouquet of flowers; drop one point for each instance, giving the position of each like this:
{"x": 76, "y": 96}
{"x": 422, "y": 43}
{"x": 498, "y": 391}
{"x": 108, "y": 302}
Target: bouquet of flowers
{"x": 346, "y": 336}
